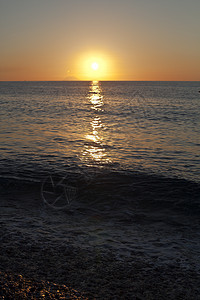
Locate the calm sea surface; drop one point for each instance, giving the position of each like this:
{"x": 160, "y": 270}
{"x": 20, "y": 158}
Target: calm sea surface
{"x": 153, "y": 127}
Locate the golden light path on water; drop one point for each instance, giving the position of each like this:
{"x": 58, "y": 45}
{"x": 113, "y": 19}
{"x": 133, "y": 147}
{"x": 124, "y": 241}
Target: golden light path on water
{"x": 94, "y": 147}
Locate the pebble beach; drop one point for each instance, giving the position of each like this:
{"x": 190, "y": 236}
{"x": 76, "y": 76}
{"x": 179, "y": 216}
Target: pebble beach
{"x": 48, "y": 254}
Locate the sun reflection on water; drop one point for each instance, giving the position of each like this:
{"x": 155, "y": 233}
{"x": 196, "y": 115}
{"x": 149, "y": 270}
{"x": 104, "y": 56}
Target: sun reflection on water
{"x": 94, "y": 146}
{"x": 95, "y": 96}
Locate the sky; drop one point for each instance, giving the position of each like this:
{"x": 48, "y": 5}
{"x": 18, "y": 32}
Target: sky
{"x": 126, "y": 39}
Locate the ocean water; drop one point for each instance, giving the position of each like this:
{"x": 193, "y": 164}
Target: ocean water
{"x": 136, "y": 149}
{"x": 151, "y": 127}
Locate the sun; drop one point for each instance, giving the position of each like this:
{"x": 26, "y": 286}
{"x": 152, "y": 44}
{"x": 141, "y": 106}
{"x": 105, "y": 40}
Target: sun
{"x": 94, "y": 66}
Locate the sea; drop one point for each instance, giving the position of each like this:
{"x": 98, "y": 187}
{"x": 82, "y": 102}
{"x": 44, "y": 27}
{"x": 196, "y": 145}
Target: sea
{"x": 135, "y": 144}
{"x": 150, "y": 127}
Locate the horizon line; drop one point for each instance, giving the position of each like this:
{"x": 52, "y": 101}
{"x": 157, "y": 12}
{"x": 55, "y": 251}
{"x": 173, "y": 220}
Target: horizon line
{"x": 78, "y": 80}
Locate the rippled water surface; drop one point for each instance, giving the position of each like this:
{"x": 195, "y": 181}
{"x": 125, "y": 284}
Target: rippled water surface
{"x": 137, "y": 143}
{"x": 136, "y": 126}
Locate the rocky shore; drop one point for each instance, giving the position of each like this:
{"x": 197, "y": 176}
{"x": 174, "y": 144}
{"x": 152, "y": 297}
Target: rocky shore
{"x": 59, "y": 255}
{"x": 69, "y": 273}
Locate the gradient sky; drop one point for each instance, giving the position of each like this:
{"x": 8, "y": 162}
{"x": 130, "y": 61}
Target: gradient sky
{"x": 130, "y": 39}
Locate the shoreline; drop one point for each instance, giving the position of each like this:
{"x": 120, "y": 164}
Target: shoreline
{"x": 14, "y": 286}
{"x": 91, "y": 255}
{"x": 95, "y": 276}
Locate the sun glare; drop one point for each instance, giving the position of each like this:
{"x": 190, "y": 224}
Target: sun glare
{"x": 94, "y": 66}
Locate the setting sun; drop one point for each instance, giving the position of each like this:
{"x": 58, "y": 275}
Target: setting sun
{"x": 95, "y": 66}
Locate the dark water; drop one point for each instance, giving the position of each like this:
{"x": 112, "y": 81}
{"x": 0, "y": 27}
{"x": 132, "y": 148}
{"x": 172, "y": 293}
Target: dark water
{"x": 138, "y": 141}
{"x": 130, "y": 150}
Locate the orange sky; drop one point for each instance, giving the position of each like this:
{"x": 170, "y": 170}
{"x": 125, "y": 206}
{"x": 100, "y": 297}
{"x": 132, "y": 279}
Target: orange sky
{"x": 130, "y": 40}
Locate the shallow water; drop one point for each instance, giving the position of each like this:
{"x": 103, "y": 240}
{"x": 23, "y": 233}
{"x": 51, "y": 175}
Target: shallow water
{"x": 157, "y": 233}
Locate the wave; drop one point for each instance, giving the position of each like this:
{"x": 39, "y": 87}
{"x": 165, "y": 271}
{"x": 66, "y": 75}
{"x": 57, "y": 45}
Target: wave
{"x": 117, "y": 193}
